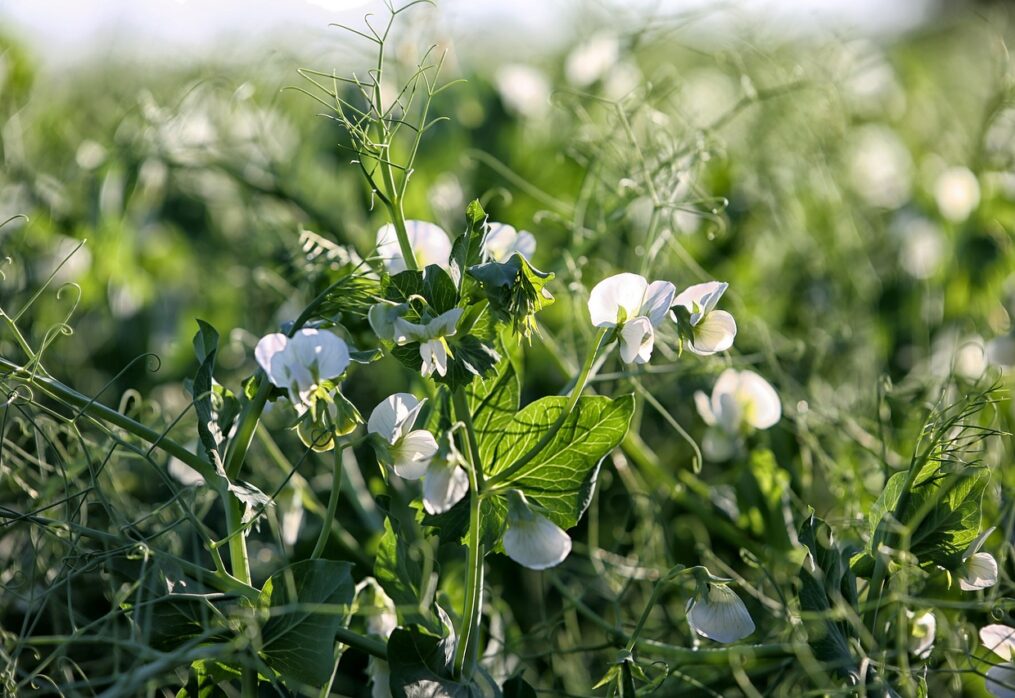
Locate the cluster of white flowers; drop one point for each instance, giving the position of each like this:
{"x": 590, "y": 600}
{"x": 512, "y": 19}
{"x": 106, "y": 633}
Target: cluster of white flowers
{"x": 637, "y": 308}
{"x": 432, "y": 245}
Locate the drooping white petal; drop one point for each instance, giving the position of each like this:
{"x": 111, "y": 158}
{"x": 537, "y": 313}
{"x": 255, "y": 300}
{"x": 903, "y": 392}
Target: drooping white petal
{"x": 923, "y": 630}
{"x": 636, "y": 341}
{"x": 714, "y": 333}
{"x": 434, "y": 354}
{"x": 325, "y": 354}
{"x": 704, "y": 406}
{"x": 978, "y": 572}
{"x": 730, "y": 414}
{"x": 720, "y": 615}
{"x": 762, "y": 408}
{"x": 429, "y": 243}
{"x": 658, "y": 300}
{"x": 392, "y": 414}
{"x": 536, "y": 542}
{"x": 999, "y": 639}
{"x": 269, "y": 355}
{"x": 444, "y": 324}
{"x": 445, "y": 485}
{"x": 382, "y": 317}
{"x": 412, "y": 454}
{"x": 1000, "y": 681}
{"x": 379, "y": 672}
{"x": 622, "y": 291}
{"x": 701, "y": 299}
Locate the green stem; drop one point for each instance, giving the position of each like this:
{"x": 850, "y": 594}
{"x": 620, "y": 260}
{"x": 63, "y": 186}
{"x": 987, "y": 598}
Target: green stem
{"x": 100, "y": 412}
{"x": 238, "y": 447}
{"x": 576, "y": 391}
{"x": 336, "y": 489}
{"x": 238, "y": 560}
{"x": 469, "y": 633}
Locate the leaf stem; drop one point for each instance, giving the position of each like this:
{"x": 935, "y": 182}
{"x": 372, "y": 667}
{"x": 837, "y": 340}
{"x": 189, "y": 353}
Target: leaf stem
{"x": 336, "y": 490}
{"x": 468, "y": 634}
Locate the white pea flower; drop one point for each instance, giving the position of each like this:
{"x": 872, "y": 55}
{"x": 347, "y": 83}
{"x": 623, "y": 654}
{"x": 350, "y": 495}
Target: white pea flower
{"x": 957, "y": 193}
{"x": 446, "y": 483}
{"x": 741, "y": 402}
{"x": 432, "y": 338}
{"x": 429, "y": 242}
{"x": 1000, "y": 639}
{"x": 922, "y": 631}
{"x": 502, "y": 241}
{"x": 523, "y": 89}
{"x": 978, "y": 570}
{"x": 409, "y": 451}
{"x": 712, "y": 330}
{"x": 531, "y": 539}
{"x": 301, "y": 362}
{"x": 716, "y": 612}
{"x": 590, "y": 60}
{"x": 630, "y": 302}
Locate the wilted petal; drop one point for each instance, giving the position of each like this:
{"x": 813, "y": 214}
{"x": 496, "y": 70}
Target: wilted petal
{"x": 714, "y": 333}
{"x": 412, "y": 454}
{"x": 1000, "y": 680}
{"x": 979, "y": 571}
{"x": 720, "y": 615}
{"x": 636, "y": 341}
{"x": 623, "y": 291}
{"x": 762, "y": 408}
{"x": 999, "y": 639}
{"x": 391, "y": 416}
{"x": 658, "y": 300}
{"x": 536, "y": 542}
{"x": 445, "y": 485}
{"x": 268, "y": 353}
{"x": 923, "y": 630}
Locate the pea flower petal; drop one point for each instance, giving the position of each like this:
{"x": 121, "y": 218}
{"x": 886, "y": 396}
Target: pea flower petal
{"x": 720, "y": 615}
{"x": 502, "y": 241}
{"x": 429, "y": 242}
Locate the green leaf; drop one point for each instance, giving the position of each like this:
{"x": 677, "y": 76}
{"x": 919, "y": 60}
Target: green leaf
{"x": 470, "y": 358}
{"x": 420, "y": 666}
{"x": 433, "y": 284}
{"x": 560, "y": 477}
{"x": 467, "y": 249}
{"x": 941, "y": 513}
{"x": 517, "y": 687}
{"x": 398, "y": 568}
{"x": 515, "y": 290}
{"x": 493, "y": 401}
{"x": 209, "y": 432}
{"x": 825, "y": 582}
{"x": 171, "y": 620}
{"x": 298, "y": 640}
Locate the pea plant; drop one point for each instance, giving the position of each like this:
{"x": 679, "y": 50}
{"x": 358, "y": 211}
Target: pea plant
{"x": 475, "y": 477}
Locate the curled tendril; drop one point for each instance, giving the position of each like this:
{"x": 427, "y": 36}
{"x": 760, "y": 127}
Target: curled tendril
{"x": 130, "y": 395}
{"x": 153, "y": 363}
{"x": 12, "y": 397}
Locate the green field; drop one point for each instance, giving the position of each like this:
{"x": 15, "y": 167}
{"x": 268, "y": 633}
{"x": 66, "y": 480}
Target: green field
{"x": 348, "y": 379}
